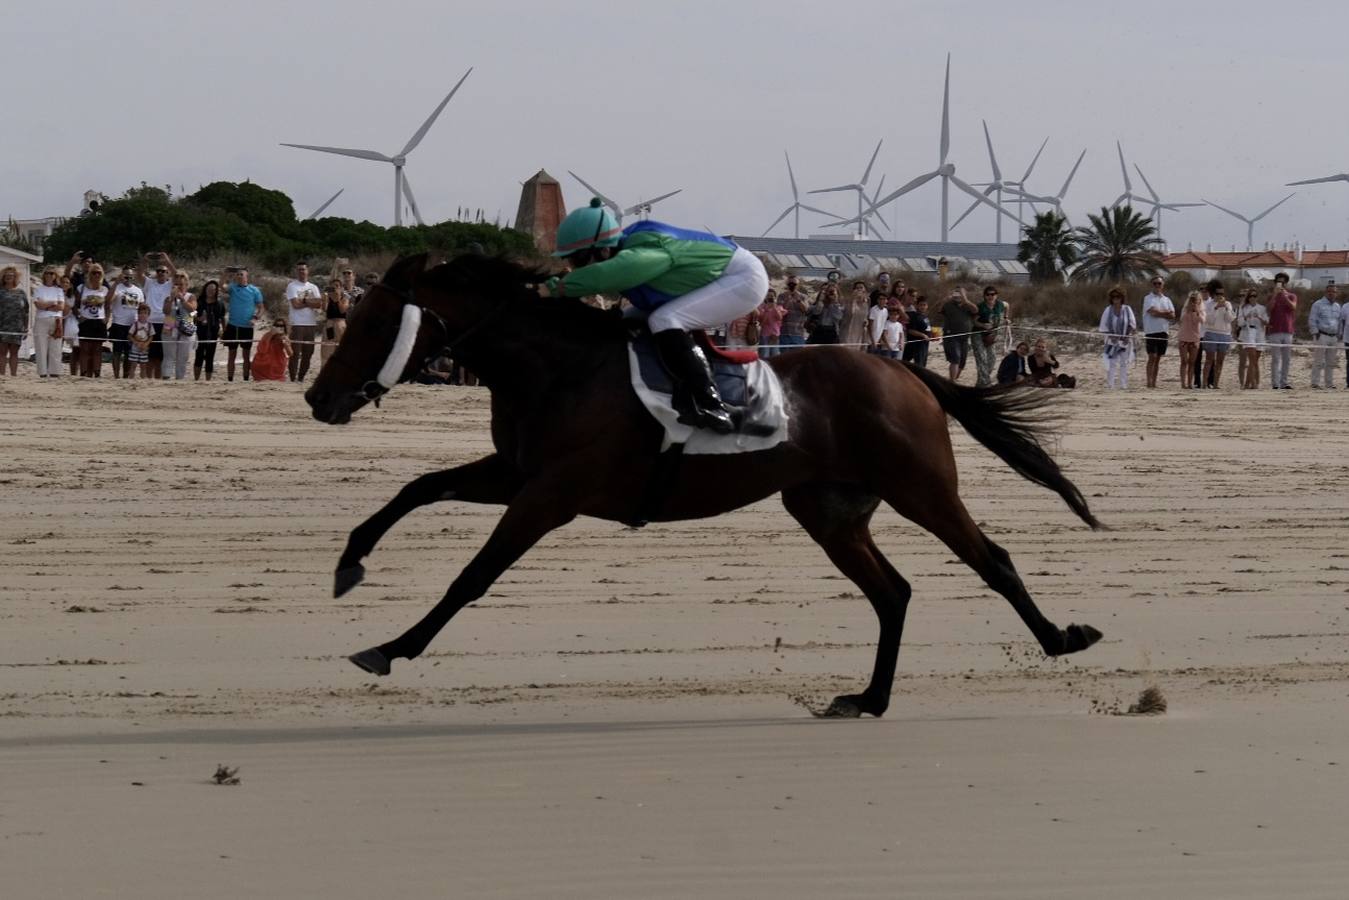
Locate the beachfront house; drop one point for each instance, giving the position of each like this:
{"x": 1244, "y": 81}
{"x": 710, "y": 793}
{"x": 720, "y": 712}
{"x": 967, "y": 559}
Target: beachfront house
{"x": 1317, "y": 267}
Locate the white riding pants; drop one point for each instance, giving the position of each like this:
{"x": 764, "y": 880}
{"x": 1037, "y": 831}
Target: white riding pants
{"x": 738, "y": 291}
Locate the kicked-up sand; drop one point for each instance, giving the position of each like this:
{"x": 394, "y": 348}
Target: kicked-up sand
{"x": 624, "y": 715}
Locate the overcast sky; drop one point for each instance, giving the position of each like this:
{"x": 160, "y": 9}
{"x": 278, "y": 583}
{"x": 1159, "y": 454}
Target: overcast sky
{"x": 1219, "y": 100}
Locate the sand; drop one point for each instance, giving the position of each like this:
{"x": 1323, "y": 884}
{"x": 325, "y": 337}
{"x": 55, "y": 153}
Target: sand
{"x": 620, "y": 716}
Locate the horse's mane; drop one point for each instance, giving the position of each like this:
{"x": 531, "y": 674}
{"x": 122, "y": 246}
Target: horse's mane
{"x": 509, "y": 281}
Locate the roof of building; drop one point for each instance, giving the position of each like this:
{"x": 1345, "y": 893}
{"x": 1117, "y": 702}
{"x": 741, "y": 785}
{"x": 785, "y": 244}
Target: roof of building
{"x": 816, "y": 256}
{"x": 22, "y": 254}
{"x": 1256, "y": 259}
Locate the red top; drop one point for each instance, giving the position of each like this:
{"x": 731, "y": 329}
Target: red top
{"x": 1282, "y": 312}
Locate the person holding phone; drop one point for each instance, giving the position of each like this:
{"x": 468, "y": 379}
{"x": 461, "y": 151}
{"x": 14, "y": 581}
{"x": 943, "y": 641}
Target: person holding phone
{"x": 243, "y": 306}
{"x": 305, "y": 301}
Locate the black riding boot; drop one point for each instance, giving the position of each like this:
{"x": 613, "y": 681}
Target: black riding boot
{"x": 695, "y": 397}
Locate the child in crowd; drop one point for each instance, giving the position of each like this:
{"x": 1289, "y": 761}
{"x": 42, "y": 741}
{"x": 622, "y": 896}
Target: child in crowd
{"x": 892, "y": 335}
{"x": 273, "y": 355}
{"x": 142, "y": 333}
{"x": 1191, "y": 330}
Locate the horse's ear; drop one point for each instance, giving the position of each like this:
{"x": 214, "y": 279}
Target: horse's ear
{"x": 404, "y": 270}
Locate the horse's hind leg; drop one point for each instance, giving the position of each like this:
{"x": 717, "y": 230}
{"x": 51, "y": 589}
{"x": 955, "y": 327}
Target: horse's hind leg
{"x": 837, "y": 517}
{"x": 940, "y": 511}
{"x": 487, "y": 480}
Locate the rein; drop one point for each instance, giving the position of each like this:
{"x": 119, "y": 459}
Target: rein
{"x": 384, "y": 382}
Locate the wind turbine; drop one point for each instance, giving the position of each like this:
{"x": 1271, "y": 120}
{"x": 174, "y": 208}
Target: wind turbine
{"x": 1021, "y": 185}
{"x": 318, "y": 212}
{"x": 796, "y": 206}
{"x": 642, "y": 207}
{"x": 945, "y": 170}
{"x": 401, "y": 188}
{"x": 859, "y": 187}
{"x": 1157, "y": 204}
{"x": 1250, "y": 223}
{"x": 841, "y": 221}
{"x": 1057, "y": 199}
{"x": 996, "y": 186}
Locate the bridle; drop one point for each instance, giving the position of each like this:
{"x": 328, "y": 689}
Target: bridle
{"x": 392, "y": 373}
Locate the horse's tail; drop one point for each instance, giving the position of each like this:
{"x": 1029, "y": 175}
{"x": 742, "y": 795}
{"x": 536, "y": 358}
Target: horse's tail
{"x": 1010, "y": 423}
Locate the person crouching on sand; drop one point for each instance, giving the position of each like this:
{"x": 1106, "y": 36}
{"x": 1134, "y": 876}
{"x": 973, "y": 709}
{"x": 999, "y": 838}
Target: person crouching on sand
{"x": 273, "y": 354}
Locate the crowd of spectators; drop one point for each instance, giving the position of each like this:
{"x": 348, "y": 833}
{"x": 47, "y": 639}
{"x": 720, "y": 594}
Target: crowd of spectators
{"x": 148, "y": 321}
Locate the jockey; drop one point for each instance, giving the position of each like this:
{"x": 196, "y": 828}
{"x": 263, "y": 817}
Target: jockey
{"x": 685, "y": 280}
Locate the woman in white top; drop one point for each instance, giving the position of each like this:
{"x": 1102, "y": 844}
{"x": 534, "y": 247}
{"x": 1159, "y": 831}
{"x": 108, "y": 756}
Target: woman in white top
{"x": 1118, "y": 325}
{"x": 49, "y": 303}
{"x": 93, "y": 314}
{"x": 1218, "y": 318}
{"x": 180, "y": 328}
{"x": 1252, "y": 320}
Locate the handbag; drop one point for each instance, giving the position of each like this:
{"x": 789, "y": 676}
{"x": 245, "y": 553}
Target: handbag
{"x": 990, "y": 338}
{"x": 751, "y": 332}
{"x": 59, "y": 329}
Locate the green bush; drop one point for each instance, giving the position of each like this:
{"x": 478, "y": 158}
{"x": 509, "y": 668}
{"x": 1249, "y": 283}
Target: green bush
{"x": 248, "y": 220}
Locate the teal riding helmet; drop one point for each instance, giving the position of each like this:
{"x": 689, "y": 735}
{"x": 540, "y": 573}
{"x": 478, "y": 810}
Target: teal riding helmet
{"x": 589, "y": 226}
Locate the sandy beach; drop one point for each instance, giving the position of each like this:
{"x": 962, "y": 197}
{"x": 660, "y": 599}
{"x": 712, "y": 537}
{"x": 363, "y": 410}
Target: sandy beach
{"x": 625, "y": 714}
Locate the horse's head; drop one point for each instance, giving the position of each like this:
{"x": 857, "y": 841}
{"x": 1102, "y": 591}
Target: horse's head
{"x": 390, "y": 336}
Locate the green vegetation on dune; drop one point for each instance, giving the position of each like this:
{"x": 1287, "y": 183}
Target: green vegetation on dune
{"x": 246, "y": 219}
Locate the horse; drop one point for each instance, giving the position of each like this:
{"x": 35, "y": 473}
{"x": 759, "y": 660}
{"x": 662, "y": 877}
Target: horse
{"x": 571, "y": 439}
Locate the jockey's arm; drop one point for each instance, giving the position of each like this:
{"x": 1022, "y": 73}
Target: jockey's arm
{"x": 625, "y": 270}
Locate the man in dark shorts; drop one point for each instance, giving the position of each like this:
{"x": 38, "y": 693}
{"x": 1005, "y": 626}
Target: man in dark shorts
{"x": 957, "y": 323}
{"x": 1158, "y": 314}
{"x": 244, "y": 305}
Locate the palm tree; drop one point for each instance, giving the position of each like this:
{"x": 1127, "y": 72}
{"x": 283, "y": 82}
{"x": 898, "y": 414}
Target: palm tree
{"x": 1047, "y": 247}
{"x": 1120, "y": 245}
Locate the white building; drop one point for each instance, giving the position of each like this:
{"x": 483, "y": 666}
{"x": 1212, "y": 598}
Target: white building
{"x": 1319, "y": 267}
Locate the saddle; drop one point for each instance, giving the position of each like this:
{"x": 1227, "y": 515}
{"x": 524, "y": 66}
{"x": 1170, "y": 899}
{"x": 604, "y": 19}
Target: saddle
{"x": 746, "y": 383}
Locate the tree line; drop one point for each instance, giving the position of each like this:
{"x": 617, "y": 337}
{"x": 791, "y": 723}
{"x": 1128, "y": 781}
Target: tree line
{"x": 247, "y": 219}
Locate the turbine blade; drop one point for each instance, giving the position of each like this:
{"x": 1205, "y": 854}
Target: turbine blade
{"x": 1063, "y": 191}
{"x": 643, "y": 204}
{"x": 1120, "y": 199}
{"x": 603, "y": 199}
{"x": 993, "y": 160}
{"x": 899, "y": 192}
{"x": 1124, "y": 170}
{"x": 867, "y": 173}
{"x": 946, "y": 113}
{"x": 318, "y": 212}
{"x": 412, "y": 201}
{"x": 1030, "y": 168}
{"x": 431, "y": 120}
{"x": 841, "y": 187}
{"x": 1274, "y": 207}
{"x": 343, "y": 151}
{"x": 1320, "y": 180}
{"x": 817, "y": 210}
{"x": 872, "y": 229}
{"x": 1233, "y": 213}
{"x": 880, "y": 186}
{"x": 972, "y": 207}
{"x": 1147, "y": 184}
{"x": 785, "y": 213}
{"x": 791, "y": 176}
{"x": 980, "y": 198}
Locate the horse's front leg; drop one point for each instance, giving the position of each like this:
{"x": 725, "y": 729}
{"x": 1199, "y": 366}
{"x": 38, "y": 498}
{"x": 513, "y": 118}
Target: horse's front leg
{"x": 487, "y": 480}
{"x": 536, "y": 510}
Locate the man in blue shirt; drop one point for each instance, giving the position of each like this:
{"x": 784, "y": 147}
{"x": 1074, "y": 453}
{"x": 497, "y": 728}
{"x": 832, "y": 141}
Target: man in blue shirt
{"x": 245, "y": 305}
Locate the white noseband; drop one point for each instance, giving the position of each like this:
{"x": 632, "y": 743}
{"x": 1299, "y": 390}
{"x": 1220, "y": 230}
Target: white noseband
{"x": 402, "y": 347}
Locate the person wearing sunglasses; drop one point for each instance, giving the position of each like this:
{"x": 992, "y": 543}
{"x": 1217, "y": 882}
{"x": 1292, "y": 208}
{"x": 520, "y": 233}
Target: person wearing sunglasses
{"x": 1158, "y": 314}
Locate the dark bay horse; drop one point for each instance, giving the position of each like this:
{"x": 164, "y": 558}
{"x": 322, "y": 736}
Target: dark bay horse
{"x": 572, "y": 440}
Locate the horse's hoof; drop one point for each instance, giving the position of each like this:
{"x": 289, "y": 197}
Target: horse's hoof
{"x": 347, "y": 578}
{"x": 372, "y": 661}
{"x": 843, "y": 708}
{"x": 1079, "y": 637}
